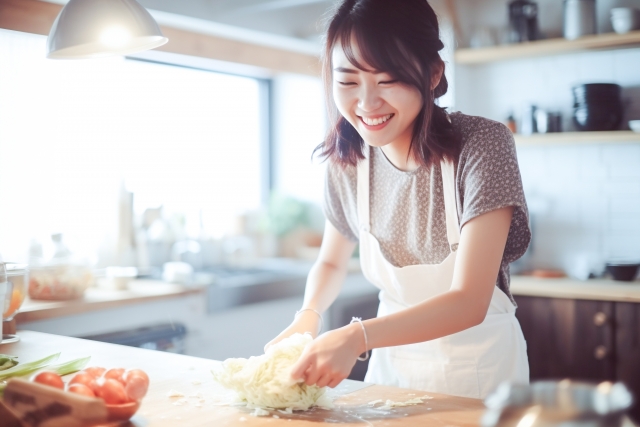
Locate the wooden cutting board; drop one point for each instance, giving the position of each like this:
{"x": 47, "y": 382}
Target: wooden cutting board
{"x": 203, "y": 401}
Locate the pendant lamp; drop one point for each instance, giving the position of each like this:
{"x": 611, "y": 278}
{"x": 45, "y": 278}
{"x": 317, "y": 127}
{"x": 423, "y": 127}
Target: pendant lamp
{"x": 99, "y": 28}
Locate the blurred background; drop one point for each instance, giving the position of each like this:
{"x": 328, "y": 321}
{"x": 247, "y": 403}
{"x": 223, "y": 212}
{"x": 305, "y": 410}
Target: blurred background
{"x": 168, "y": 199}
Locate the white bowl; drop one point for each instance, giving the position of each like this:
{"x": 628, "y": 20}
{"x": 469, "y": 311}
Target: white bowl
{"x": 624, "y": 19}
{"x": 622, "y": 25}
{"x": 634, "y": 125}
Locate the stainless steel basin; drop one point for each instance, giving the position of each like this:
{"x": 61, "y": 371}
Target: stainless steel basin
{"x": 229, "y": 287}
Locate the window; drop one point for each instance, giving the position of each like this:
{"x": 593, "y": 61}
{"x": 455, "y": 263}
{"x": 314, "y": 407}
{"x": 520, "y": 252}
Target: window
{"x": 72, "y": 133}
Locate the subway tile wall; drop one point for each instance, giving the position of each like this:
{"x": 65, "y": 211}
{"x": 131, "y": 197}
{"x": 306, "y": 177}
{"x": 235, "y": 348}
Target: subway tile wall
{"x": 584, "y": 199}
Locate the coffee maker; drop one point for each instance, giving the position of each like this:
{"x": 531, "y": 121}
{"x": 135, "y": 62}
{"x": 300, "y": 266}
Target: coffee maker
{"x": 523, "y": 20}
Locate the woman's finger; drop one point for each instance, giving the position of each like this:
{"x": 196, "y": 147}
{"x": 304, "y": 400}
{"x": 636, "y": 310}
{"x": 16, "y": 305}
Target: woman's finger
{"x": 324, "y": 380}
{"x": 300, "y": 367}
{"x": 313, "y": 375}
{"x": 335, "y": 382}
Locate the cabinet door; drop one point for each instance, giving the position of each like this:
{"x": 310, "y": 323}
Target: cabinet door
{"x": 628, "y": 351}
{"x": 568, "y": 338}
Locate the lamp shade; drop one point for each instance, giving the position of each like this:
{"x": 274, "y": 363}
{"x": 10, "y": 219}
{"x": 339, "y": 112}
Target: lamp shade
{"x": 99, "y": 28}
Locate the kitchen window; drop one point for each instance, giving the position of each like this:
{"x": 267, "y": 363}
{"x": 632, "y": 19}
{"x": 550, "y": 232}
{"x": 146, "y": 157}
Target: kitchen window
{"x": 74, "y": 133}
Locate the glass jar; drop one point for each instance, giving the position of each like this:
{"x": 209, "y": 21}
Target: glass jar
{"x": 15, "y": 287}
{"x": 60, "y": 276}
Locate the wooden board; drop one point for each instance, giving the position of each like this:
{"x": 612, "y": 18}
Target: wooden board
{"x": 204, "y": 401}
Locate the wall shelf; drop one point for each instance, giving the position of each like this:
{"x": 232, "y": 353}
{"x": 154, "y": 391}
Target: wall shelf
{"x": 619, "y": 137}
{"x": 546, "y": 48}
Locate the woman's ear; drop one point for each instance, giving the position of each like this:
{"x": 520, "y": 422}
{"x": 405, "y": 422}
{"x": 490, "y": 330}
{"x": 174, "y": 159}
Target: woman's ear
{"x": 438, "y": 69}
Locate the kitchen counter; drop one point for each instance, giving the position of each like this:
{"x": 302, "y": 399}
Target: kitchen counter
{"x": 594, "y": 289}
{"x": 191, "y": 376}
{"x": 139, "y": 291}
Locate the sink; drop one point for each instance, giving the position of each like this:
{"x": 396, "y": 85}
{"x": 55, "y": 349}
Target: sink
{"x": 229, "y": 287}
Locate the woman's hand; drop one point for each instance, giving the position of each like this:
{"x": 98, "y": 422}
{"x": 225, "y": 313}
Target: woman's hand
{"x": 329, "y": 358}
{"x": 305, "y": 321}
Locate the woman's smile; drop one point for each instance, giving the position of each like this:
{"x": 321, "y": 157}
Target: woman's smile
{"x": 376, "y": 123}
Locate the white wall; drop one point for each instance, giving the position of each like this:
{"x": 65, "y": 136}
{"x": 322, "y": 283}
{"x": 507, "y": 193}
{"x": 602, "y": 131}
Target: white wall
{"x": 585, "y": 199}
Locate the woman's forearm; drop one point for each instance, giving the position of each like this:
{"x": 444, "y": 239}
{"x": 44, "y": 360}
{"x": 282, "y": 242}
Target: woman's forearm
{"x": 323, "y": 285}
{"x": 327, "y": 274}
{"x": 437, "y": 317}
{"x": 465, "y": 305}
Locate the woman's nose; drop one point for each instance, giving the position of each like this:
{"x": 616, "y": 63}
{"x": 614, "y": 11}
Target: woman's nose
{"x": 369, "y": 98}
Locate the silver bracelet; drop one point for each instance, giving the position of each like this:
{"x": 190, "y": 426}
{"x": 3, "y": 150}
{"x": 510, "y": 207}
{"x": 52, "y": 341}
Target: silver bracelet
{"x": 316, "y": 312}
{"x": 366, "y": 341}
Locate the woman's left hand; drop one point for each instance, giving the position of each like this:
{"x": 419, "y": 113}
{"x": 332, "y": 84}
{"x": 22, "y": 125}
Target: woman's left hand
{"x": 328, "y": 359}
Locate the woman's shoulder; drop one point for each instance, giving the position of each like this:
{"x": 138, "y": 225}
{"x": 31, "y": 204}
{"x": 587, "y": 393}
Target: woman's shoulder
{"x": 480, "y": 132}
{"x": 341, "y": 177}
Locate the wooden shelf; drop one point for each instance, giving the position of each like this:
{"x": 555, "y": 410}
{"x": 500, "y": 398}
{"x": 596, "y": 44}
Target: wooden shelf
{"x": 578, "y": 138}
{"x": 546, "y": 48}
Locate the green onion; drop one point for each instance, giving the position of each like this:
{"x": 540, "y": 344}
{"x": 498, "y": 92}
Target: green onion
{"x": 31, "y": 367}
{"x": 7, "y": 361}
{"x": 28, "y": 368}
{"x": 69, "y": 367}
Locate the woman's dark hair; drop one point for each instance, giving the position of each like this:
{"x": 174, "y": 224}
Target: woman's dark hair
{"x": 399, "y": 37}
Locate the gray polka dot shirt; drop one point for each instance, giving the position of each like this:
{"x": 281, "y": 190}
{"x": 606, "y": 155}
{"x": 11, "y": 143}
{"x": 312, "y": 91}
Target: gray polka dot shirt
{"x": 407, "y": 208}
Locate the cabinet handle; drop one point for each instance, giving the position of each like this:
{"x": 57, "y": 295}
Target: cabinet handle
{"x": 600, "y": 352}
{"x": 600, "y": 319}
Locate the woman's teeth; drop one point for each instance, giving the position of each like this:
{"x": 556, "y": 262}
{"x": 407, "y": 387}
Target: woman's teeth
{"x": 377, "y": 120}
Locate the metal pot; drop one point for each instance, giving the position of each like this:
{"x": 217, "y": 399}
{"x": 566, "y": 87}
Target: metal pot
{"x": 555, "y": 403}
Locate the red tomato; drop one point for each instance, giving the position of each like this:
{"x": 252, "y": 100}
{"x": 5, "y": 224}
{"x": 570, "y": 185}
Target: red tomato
{"x": 84, "y": 379}
{"x": 136, "y": 387}
{"x": 49, "y": 378}
{"x": 81, "y": 389}
{"x": 95, "y": 371}
{"x": 115, "y": 374}
{"x": 112, "y": 392}
{"x": 136, "y": 373}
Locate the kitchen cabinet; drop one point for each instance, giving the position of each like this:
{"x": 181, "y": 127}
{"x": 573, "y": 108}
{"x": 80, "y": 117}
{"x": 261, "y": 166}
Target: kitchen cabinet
{"x": 586, "y": 340}
{"x": 627, "y": 357}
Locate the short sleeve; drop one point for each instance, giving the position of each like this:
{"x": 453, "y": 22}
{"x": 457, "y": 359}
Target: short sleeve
{"x": 489, "y": 178}
{"x": 340, "y": 206}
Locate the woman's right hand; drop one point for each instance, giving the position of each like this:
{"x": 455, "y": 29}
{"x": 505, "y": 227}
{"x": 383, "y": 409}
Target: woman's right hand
{"x": 306, "y": 321}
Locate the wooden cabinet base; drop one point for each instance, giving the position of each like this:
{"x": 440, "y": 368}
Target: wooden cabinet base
{"x": 628, "y": 352}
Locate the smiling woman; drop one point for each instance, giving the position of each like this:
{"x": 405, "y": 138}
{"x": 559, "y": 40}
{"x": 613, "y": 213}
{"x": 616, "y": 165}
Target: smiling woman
{"x": 76, "y": 130}
{"x": 434, "y": 201}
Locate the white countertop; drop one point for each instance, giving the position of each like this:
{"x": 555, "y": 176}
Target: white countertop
{"x": 595, "y": 289}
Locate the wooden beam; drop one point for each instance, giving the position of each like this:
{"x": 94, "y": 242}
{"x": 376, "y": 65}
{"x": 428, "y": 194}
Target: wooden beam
{"x": 28, "y": 16}
{"x": 37, "y": 17}
{"x": 206, "y": 46}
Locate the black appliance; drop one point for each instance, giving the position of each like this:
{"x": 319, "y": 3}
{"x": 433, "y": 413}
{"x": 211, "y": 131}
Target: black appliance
{"x": 523, "y": 19}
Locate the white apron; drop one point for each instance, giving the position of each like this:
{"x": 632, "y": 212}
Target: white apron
{"x": 470, "y": 363}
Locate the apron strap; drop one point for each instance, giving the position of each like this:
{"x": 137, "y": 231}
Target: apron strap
{"x": 451, "y": 211}
{"x": 362, "y": 189}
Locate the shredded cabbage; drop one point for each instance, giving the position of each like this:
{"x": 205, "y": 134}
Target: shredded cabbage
{"x": 265, "y": 381}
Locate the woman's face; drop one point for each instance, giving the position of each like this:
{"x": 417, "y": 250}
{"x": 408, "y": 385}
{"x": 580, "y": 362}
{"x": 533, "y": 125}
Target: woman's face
{"x": 380, "y": 108}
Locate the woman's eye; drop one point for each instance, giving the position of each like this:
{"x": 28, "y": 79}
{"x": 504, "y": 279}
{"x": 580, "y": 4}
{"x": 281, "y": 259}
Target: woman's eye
{"x": 388, "y": 82}
{"x": 346, "y": 83}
